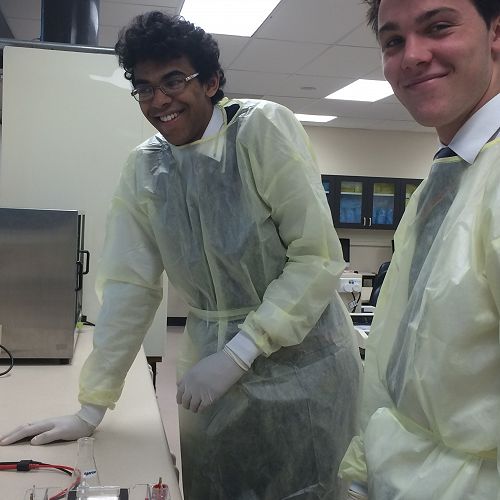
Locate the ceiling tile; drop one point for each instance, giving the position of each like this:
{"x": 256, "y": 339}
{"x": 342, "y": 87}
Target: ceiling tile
{"x": 371, "y": 110}
{"x": 251, "y": 82}
{"x": 320, "y": 21}
{"x": 243, "y": 96}
{"x": 230, "y": 46}
{"x": 376, "y": 74}
{"x": 152, "y": 4}
{"x": 296, "y": 104}
{"x": 346, "y": 62}
{"x": 362, "y": 36}
{"x": 360, "y": 123}
{"x": 300, "y": 85}
{"x": 276, "y": 57}
{"x": 120, "y": 14}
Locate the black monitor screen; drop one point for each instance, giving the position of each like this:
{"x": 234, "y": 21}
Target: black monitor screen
{"x": 346, "y": 248}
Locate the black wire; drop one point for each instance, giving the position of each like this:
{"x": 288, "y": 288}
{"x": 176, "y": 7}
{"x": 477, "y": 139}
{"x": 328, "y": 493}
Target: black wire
{"x": 11, "y": 361}
{"x": 356, "y": 301}
{"x": 62, "y": 468}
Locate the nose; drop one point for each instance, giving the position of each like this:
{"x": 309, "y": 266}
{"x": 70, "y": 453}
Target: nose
{"x": 416, "y": 52}
{"x": 159, "y": 97}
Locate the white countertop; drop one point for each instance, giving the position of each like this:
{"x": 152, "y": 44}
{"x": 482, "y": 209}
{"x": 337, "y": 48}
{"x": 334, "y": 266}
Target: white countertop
{"x": 130, "y": 445}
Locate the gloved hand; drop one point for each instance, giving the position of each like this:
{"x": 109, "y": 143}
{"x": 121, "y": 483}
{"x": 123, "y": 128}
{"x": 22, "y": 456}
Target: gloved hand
{"x": 67, "y": 428}
{"x": 207, "y": 381}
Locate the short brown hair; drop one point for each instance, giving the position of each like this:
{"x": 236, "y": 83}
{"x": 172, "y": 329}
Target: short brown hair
{"x": 487, "y": 9}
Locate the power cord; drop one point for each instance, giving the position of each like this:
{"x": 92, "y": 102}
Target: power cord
{"x": 354, "y": 302}
{"x": 11, "y": 359}
{"x": 28, "y": 465}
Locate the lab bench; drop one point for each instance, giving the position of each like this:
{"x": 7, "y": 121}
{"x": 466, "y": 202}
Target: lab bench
{"x": 130, "y": 444}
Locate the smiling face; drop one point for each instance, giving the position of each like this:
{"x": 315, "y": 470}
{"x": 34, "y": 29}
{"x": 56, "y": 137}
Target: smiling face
{"x": 440, "y": 58}
{"x": 183, "y": 118}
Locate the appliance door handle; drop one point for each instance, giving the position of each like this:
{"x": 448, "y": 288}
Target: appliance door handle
{"x": 87, "y": 261}
{"x": 79, "y": 275}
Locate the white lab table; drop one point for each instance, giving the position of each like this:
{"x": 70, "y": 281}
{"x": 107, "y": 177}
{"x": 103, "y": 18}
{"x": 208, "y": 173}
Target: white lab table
{"x": 130, "y": 445}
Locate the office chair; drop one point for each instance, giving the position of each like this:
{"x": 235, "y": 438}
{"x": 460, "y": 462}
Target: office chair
{"x": 383, "y": 267}
{"x": 377, "y": 281}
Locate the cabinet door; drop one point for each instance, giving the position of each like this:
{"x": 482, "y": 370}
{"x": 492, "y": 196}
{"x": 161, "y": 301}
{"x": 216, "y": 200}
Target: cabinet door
{"x": 409, "y": 187}
{"x": 382, "y": 214}
{"x": 367, "y": 202}
{"x": 349, "y": 202}
{"x": 406, "y": 189}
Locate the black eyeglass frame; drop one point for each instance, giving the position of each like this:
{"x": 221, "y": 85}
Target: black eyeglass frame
{"x": 168, "y": 92}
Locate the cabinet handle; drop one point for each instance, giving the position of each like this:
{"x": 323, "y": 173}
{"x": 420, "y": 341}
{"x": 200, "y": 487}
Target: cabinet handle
{"x": 369, "y": 222}
{"x": 364, "y": 221}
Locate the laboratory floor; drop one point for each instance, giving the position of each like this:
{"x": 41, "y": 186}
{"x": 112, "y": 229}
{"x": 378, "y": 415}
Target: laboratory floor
{"x": 166, "y": 391}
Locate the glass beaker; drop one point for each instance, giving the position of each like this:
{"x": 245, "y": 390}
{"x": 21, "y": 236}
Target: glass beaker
{"x": 85, "y": 473}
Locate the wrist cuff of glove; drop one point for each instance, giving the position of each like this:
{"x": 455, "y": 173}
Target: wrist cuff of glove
{"x": 242, "y": 350}
{"x": 359, "y": 488}
{"x": 92, "y": 414}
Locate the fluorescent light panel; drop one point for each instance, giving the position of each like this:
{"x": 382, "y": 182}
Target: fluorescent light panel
{"x": 314, "y": 118}
{"x": 363, "y": 90}
{"x": 228, "y": 17}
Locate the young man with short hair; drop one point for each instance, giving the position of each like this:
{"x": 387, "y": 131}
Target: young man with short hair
{"x": 431, "y": 397}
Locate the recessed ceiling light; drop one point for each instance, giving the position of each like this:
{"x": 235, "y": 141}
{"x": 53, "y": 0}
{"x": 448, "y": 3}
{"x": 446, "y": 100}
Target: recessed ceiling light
{"x": 363, "y": 90}
{"x": 228, "y": 17}
{"x": 307, "y": 87}
{"x": 314, "y": 118}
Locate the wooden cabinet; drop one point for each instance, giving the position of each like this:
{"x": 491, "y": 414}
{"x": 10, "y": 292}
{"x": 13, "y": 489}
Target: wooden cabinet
{"x": 368, "y": 202}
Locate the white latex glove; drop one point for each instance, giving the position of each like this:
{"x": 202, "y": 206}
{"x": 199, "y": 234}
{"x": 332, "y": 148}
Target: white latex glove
{"x": 207, "y": 381}
{"x": 66, "y": 428}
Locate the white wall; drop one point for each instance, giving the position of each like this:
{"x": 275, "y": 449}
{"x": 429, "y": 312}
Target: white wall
{"x": 372, "y": 153}
{"x": 68, "y": 126}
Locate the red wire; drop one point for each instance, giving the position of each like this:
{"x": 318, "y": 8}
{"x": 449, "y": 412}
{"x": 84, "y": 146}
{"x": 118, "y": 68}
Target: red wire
{"x": 8, "y": 467}
{"x": 37, "y": 466}
{"x": 61, "y": 494}
{"x": 50, "y": 466}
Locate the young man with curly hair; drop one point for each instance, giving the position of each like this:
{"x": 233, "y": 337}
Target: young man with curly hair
{"x": 227, "y": 198}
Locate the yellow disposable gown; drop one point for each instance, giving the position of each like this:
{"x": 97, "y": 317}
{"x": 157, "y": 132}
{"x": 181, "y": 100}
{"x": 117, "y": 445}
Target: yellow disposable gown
{"x": 241, "y": 225}
{"x": 431, "y": 396}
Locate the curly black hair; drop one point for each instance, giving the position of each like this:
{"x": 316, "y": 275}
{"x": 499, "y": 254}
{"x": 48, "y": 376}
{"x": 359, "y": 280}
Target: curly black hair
{"x": 155, "y": 36}
{"x": 487, "y": 9}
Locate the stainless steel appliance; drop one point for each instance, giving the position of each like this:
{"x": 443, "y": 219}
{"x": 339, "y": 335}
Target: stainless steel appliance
{"x": 42, "y": 263}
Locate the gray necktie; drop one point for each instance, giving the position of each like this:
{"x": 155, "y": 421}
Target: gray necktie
{"x": 434, "y": 203}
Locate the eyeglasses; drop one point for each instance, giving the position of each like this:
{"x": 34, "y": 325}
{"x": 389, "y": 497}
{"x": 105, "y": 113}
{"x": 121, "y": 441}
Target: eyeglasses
{"x": 171, "y": 87}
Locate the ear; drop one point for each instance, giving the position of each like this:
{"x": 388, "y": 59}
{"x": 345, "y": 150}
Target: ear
{"x": 495, "y": 36}
{"x": 212, "y": 85}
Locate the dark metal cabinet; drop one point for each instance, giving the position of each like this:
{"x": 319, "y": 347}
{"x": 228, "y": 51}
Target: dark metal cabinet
{"x": 368, "y": 202}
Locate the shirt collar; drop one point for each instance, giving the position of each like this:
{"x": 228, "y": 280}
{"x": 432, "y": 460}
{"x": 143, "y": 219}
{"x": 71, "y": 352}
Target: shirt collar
{"x": 215, "y": 123}
{"x": 477, "y": 131}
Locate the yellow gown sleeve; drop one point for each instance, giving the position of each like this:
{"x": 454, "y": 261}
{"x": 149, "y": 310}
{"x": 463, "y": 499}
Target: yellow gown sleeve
{"x": 130, "y": 287}
{"x": 288, "y": 181}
